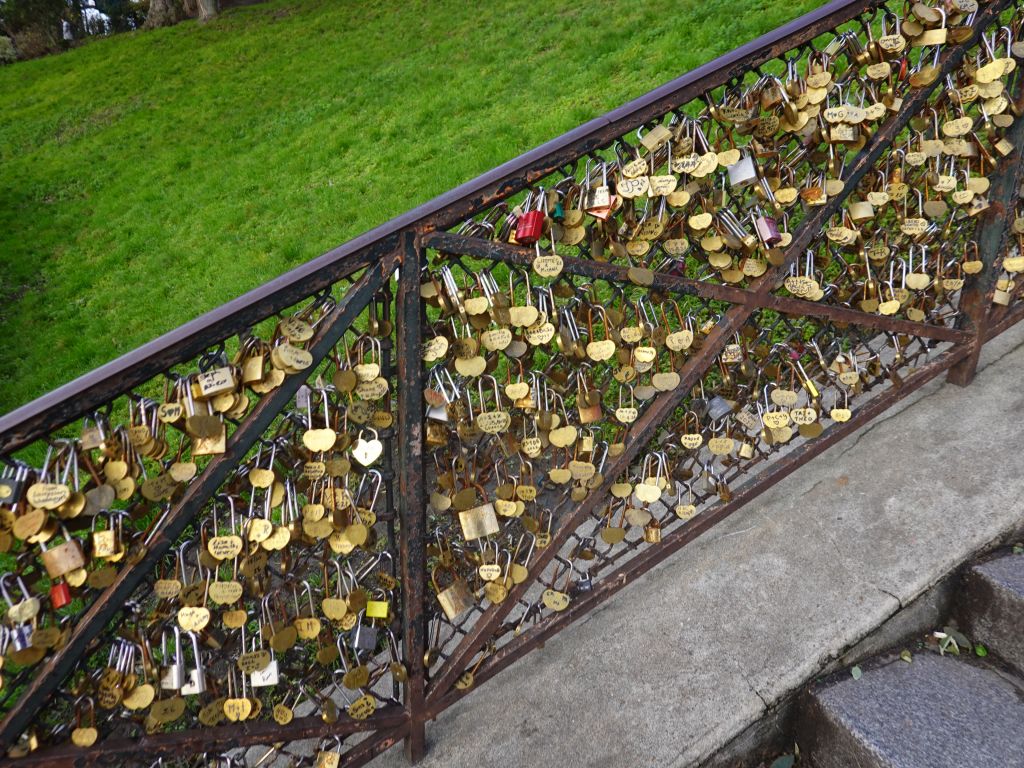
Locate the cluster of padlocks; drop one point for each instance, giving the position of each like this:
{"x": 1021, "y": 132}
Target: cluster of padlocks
{"x": 607, "y": 358}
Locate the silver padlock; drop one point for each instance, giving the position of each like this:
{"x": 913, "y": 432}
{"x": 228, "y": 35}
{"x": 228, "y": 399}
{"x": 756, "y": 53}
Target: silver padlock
{"x": 270, "y": 674}
{"x": 718, "y": 407}
{"x": 449, "y": 391}
{"x": 12, "y": 484}
{"x": 196, "y": 682}
{"x": 173, "y": 676}
{"x": 743, "y": 172}
{"x": 363, "y": 638}
{"x": 21, "y": 636}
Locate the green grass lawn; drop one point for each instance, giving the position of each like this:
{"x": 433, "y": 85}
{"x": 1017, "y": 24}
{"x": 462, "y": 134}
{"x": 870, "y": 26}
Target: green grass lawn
{"x": 147, "y": 178}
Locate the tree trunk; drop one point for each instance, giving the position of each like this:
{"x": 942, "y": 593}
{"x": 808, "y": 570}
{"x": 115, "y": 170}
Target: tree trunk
{"x": 163, "y": 13}
{"x": 208, "y": 9}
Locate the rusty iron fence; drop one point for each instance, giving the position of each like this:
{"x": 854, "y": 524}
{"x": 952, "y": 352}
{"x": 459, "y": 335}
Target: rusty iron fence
{"x": 304, "y": 524}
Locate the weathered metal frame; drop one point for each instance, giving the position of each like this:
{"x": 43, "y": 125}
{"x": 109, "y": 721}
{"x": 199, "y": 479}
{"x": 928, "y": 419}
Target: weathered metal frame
{"x": 401, "y": 247}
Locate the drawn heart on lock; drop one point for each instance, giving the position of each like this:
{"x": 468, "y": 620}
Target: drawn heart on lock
{"x": 470, "y": 366}
{"x": 182, "y": 471}
{"x": 199, "y": 425}
{"x": 803, "y": 416}
{"x": 362, "y": 708}
{"x": 523, "y": 316}
{"x": 167, "y": 710}
{"x": 840, "y": 414}
{"x": 622, "y": 490}
{"x": 224, "y": 547}
{"x": 334, "y": 608}
{"x": 319, "y": 440}
{"x": 685, "y": 511}
{"x": 99, "y": 498}
{"x": 368, "y": 451}
{"x": 562, "y": 436}
{"x": 555, "y": 600}
{"x": 141, "y": 696}
{"x": 237, "y": 710}
{"x": 261, "y": 478}
{"x": 517, "y": 391}
{"x": 600, "y": 350}
{"x": 626, "y": 415}
{"x": 48, "y": 495}
{"x": 260, "y": 529}
{"x": 559, "y": 475}
{"x": 193, "y": 619}
{"x": 254, "y": 661}
{"x": 225, "y": 592}
{"x": 665, "y": 381}
{"x": 234, "y": 619}
{"x": 647, "y": 492}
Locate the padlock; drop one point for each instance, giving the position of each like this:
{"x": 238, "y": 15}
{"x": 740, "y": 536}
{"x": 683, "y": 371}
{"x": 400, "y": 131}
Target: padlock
{"x": 217, "y": 381}
{"x": 767, "y": 230}
{"x": 456, "y": 598}
{"x": 23, "y": 611}
{"x": 861, "y": 211}
{"x": 530, "y": 226}
{"x": 173, "y": 672}
{"x": 479, "y": 521}
{"x": 733, "y": 231}
{"x": 60, "y": 594}
{"x": 743, "y": 172}
{"x": 63, "y": 558}
{"x": 363, "y": 637}
{"x": 718, "y": 407}
{"x": 270, "y": 674}
{"x": 378, "y": 608}
{"x": 652, "y": 532}
{"x": 106, "y": 543}
{"x": 12, "y": 486}
{"x": 195, "y": 683}
{"x": 21, "y": 636}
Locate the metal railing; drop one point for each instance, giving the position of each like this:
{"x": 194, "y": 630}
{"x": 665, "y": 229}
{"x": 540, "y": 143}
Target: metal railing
{"x": 493, "y": 468}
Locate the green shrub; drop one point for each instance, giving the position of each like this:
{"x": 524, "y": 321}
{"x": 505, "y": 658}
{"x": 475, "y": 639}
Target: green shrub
{"x": 7, "y": 52}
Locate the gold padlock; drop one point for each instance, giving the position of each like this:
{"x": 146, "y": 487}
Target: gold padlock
{"x": 63, "y": 558}
{"x": 652, "y": 532}
{"x": 479, "y": 521}
{"x": 455, "y": 599}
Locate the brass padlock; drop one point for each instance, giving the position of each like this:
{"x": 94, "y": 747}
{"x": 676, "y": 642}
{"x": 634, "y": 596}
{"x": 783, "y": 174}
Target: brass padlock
{"x": 455, "y": 599}
{"x": 479, "y": 521}
{"x": 63, "y": 558}
{"x": 652, "y": 532}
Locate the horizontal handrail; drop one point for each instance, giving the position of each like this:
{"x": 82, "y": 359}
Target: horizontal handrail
{"x": 85, "y": 394}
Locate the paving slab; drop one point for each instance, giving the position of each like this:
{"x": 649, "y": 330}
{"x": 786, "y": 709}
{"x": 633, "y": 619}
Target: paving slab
{"x": 992, "y": 607}
{"x": 683, "y": 659}
{"x": 939, "y": 712}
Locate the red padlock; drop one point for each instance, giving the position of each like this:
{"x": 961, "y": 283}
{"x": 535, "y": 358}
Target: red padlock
{"x": 60, "y": 594}
{"x": 530, "y": 226}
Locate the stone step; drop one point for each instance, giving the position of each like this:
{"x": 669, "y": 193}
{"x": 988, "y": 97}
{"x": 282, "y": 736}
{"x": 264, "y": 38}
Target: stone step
{"x": 935, "y": 712}
{"x": 991, "y": 610}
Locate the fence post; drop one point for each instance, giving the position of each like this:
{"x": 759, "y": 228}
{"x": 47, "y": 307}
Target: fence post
{"x": 976, "y": 299}
{"x": 412, "y": 494}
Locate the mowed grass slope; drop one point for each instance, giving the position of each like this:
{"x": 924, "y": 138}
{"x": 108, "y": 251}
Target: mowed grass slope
{"x": 149, "y": 177}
